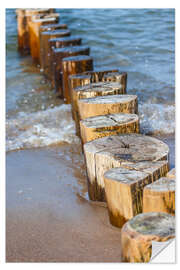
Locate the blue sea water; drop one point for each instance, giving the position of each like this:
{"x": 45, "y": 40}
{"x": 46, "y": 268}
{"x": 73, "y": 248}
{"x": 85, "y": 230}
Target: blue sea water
{"x": 138, "y": 41}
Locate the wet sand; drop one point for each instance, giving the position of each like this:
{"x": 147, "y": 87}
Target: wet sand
{"x": 47, "y": 218}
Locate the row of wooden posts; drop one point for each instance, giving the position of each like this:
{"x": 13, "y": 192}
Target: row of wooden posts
{"x": 126, "y": 169}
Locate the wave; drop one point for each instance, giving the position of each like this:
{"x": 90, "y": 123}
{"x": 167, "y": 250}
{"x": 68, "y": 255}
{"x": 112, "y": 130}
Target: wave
{"x": 38, "y": 129}
{"x": 157, "y": 118}
{"x": 55, "y": 126}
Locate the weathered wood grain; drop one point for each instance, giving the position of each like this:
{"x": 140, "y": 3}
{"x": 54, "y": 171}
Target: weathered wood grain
{"x": 58, "y": 55}
{"x": 101, "y": 105}
{"x": 89, "y": 91}
{"x": 55, "y": 43}
{"x": 124, "y": 188}
{"x": 160, "y": 196}
{"x": 116, "y": 151}
{"x": 74, "y": 65}
{"x": 120, "y": 77}
{"x": 45, "y": 52}
{"x": 110, "y": 124}
{"x": 23, "y": 18}
{"x": 138, "y": 233}
{"x": 34, "y": 38}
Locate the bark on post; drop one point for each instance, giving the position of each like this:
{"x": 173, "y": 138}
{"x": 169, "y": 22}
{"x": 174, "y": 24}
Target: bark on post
{"x": 114, "y": 151}
{"x": 55, "y": 43}
{"x": 138, "y": 233}
{"x": 74, "y": 65}
{"x": 44, "y": 46}
{"x": 106, "y": 125}
{"x": 23, "y": 18}
{"x": 120, "y": 77}
{"x": 102, "y": 105}
{"x": 58, "y": 55}
{"x": 171, "y": 173}
{"x": 124, "y": 189}
{"x": 34, "y": 26}
{"x": 160, "y": 196}
{"x": 90, "y": 91}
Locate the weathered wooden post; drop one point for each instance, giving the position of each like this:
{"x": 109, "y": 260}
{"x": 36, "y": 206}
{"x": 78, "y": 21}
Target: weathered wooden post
{"x": 74, "y": 65}
{"x": 120, "y": 77}
{"x": 55, "y": 43}
{"x": 102, "y": 105}
{"x": 113, "y": 151}
{"x": 58, "y": 55}
{"x": 160, "y": 196}
{"x": 124, "y": 188}
{"x": 94, "y": 76}
{"x": 52, "y": 27}
{"x": 106, "y": 125}
{"x": 23, "y": 19}
{"x": 34, "y": 26}
{"x": 89, "y": 91}
{"x": 44, "y": 45}
{"x": 138, "y": 233}
{"x": 97, "y": 75}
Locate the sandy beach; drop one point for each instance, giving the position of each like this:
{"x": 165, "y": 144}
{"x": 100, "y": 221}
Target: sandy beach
{"x": 48, "y": 217}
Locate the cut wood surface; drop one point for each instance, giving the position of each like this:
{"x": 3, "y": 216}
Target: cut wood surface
{"x": 34, "y": 37}
{"x": 97, "y": 75}
{"x": 172, "y": 173}
{"x": 160, "y": 196}
{"x": 74, "y": 65}
{"x": 138, "y": 233}
{"x": 101, "y": 105}
{"x": 45, "y": 52}
{"x": 110, "y": 124}
{"x": 23, "y": 18}
{"x": 55, "y": 43}
{"x": 124, "y": 188}
{"x": 58, "y": 55}
{"x": 110, "y": 152}
{"x": 89, "y": 91}
{"x": 52, "y": 27}
{"x": 120, "y": 77}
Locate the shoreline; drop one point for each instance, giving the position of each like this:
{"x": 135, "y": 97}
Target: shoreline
{"x": 46, "y": 207}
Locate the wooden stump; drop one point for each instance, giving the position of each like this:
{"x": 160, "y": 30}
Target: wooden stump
{"x": 88, "y": 77}
{"x": 23, "y": 18}
{"x": 51, "y": 27}
{"x": 76, "y": 81}
{"x": 120, "y": 77}
{"x": 171, "y": 174}
{"x": 110, "y": 152}
{"x": 106, "y": 125}
{"x": 55, "y": 43}
{"x": 160, "y": 196}
{"x": 74, "y": 65}
{"x": 34, "y": 26}
{"x": 124, "y": 189}
{"x": 89, "y": 91}
{"x": 138, "y": 233}
{"x": 97, "y": 75}
{"x": 102, "y": 105}
{"x": 45, "y": 53}
{"x": 58, "y": 55}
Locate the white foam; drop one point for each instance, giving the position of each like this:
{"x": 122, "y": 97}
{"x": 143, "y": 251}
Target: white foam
{"x": 40, "y": 129}
{"x": 54, "y": 126}
{"x": 157, "y": 118}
